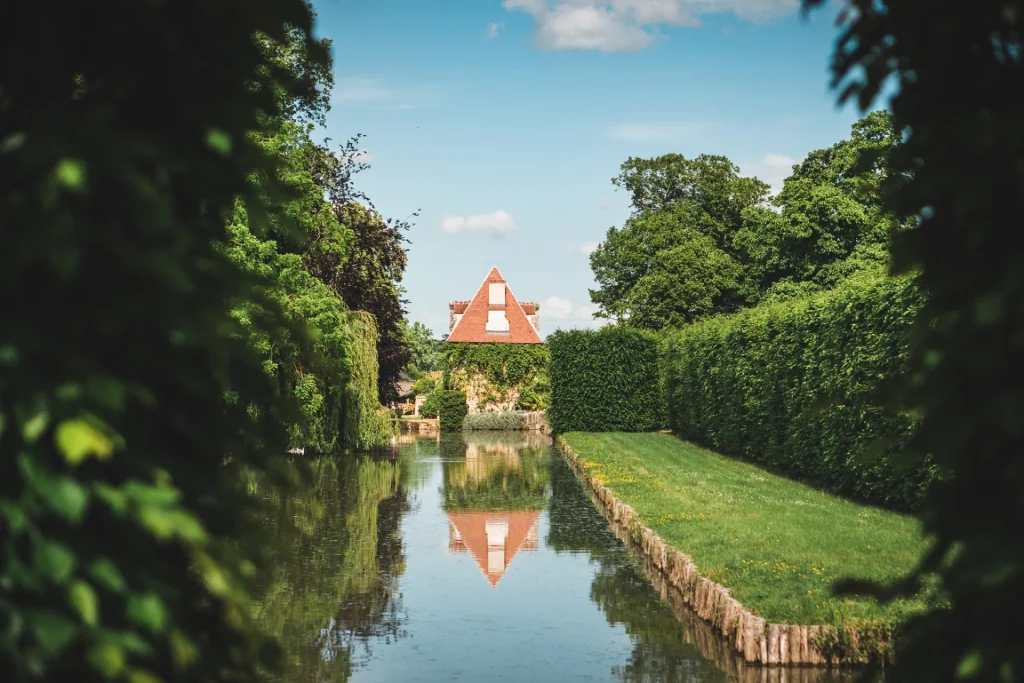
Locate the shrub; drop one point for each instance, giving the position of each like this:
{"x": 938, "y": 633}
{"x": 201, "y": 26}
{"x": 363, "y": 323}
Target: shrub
{"x": 604, "y": 381}
{"x": 451, "y": 409}
{"x": 795, "y": 386}
{"x": 429, "y": 408}
{"x": 508, "y": 420}
{"x": 424, "y": 385}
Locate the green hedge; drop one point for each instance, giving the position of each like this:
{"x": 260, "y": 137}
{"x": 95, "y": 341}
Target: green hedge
{"x": 795, "y": 386}
{"x": 365, "y": 423}
{"x": 605, "y": 381}
{"x": 509, "y": 420}
{"x": 451, "y": 409}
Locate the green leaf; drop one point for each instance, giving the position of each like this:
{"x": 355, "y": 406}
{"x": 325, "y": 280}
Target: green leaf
{"x": 67, "y": 497}
{"x": 71, "y": 173}
{"x": 106, "y": 573}
{"x": 77, "y": 440}
{"x": 166, "y": 523}
{"x": 53, "y": 631}
{"x": 142, "y": 676}
{"x": 148, "y": 611}
{"x": 35, "y": 426}
{"x": 83, "y": 598}
{"x": 8, "y": 354}
{"x": 970, "y": 665}
{"x": 112, "y": 496}
{"x": 108, "y": 658}
{"x": 219, "y": 141}
{"x": 53, "y": 560}
{"x": 14, "y": 514}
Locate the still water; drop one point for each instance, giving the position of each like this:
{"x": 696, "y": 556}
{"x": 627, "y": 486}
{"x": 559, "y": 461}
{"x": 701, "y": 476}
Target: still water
{"x": 469, "y": 558}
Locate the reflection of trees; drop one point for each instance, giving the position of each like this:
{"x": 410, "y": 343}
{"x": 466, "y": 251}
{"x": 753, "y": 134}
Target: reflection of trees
{"x": 494, "y": 471}
{"x": 669, "y": 642}
{"x": 334, "y": 585}
{"x": 621, "y": 590}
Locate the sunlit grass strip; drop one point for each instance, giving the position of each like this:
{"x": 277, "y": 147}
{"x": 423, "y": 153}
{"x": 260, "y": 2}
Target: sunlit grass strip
{"x": 777, "y": 545}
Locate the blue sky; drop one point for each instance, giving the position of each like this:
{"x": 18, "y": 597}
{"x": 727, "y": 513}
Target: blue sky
{"x": 503, "y": 122}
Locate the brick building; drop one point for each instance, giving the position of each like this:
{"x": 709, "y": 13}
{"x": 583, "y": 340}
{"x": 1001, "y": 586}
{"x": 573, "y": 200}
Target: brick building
{"x": 494, "y": 315}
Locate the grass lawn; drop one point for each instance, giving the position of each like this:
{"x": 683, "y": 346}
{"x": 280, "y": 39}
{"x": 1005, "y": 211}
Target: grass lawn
{"x": 776, "y": 544}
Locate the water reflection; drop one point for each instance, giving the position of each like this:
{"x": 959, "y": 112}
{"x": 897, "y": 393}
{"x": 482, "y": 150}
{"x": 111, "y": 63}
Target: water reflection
{"x": 381, "y": 581}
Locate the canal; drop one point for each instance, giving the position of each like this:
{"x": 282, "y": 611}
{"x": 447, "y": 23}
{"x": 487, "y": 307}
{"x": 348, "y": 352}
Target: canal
{"x": 469, "y": 558}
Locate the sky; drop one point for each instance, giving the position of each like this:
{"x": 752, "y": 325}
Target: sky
{"x": 502, "y": 122}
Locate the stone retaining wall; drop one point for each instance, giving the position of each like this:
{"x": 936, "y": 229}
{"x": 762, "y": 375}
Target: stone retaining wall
{"x": 750, "y": 636}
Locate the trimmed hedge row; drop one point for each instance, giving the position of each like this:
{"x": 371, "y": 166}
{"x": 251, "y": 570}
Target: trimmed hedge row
{"x": 451, "y": 409}
{"x": 795, "y": 386}
{"x": 605, "y": 381}
{"x": 509, "y": 420}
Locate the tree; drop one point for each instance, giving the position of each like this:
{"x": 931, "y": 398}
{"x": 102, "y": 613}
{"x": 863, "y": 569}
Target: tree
{"x": 958, "y": 72}
{"x": 128, "y": 545}
{"x": 691, "y": 208}
{"x": 660, "y": 270}
{"x": 369, "y": 279}
{"x": 828, "y": 209}
{"x": 424, "y": 351}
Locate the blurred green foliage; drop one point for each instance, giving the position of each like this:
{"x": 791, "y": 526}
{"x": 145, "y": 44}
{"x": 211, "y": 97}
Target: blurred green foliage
{"x": 958, "y": 71}
{"x": 166, "y": 250}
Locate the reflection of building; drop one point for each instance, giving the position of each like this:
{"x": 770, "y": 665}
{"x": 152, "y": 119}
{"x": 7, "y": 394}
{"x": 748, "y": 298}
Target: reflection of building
{"x": 493, "y": 538}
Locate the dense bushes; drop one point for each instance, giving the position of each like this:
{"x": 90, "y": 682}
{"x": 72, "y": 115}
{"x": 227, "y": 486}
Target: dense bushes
{"x": 796, "y": 385}
{"x": 365, "y": 423}
{"x": 451, "y": 409}
{"x": 604, "y": 381}
{"x": 509, "y": 420}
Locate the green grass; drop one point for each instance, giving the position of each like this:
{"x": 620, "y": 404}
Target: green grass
{"x": 778, "y": 545}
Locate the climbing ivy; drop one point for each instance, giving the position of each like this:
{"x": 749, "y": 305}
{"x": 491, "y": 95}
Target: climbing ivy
{"x": 504, "y": 369}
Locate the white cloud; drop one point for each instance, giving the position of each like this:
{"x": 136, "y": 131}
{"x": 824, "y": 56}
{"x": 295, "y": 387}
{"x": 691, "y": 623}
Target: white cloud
{"x": 771, "y": 168}
{"x": 556, "y": 307}
{"x": 493, "y": 29}
{"x": 659, "y": 132}
{"x": 587, "y": 248}
{"x": 566, "y": 314}
{"x": 497, "y": 223}
{"x": 629, "y": 25}
{"x": 364, "y": 91}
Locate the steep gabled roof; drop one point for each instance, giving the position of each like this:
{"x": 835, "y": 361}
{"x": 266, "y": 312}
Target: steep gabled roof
{"x": 472, "y": 529}
{"x": 472, "y": 327}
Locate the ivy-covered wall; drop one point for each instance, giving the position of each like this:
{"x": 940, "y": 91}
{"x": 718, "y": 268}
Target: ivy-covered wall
{"x": 365, "y": 423}
{"x": 499, "y": 377}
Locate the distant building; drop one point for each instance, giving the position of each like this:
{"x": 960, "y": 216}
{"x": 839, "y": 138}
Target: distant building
{"x": 494, "y": 315}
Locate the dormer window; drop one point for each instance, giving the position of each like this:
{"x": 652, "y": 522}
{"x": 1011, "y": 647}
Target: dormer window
{"x": 497, "y": 323}
{"x": 496, "y": 294}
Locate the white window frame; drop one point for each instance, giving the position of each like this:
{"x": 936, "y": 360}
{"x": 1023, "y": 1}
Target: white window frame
{"x": 496, "y": 294}
{"x": 497, "y": 322}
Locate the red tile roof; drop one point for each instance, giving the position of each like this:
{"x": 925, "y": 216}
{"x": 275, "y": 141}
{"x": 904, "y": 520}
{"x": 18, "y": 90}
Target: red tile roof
{"x": 472, "y": 327}
{"x": 472, "y": 536}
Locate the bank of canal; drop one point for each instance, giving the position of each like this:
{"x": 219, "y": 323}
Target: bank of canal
{"x": 473, "y": 557}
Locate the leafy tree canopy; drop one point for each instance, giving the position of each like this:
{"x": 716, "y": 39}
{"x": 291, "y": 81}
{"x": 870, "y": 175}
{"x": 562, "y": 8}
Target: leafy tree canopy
{"x": 704, "y": 240}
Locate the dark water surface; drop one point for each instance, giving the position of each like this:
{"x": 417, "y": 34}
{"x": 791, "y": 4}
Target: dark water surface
{"x": 475, "y": 557}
